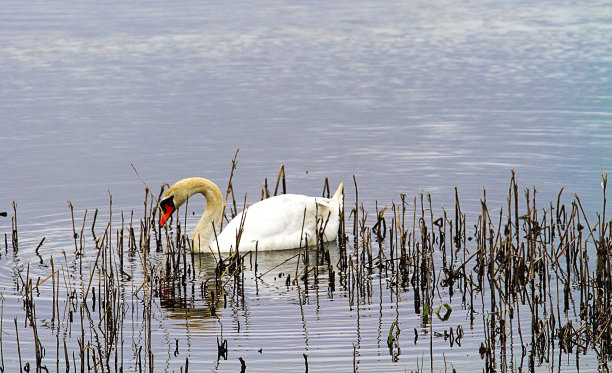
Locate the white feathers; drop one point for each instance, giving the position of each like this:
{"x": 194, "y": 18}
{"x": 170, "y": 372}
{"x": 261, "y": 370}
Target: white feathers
{"x": 282, "y": 222}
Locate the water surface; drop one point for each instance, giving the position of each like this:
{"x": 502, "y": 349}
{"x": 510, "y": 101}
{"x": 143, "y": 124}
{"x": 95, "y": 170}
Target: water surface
{"x": 409, "y": 97}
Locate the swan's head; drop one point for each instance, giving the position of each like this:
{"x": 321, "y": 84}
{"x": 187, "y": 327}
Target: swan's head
{"x": 174, "y": 198}
{"x": 178, "y": 194}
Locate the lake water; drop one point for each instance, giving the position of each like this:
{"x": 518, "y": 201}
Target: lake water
{"x": 408, "y": 97}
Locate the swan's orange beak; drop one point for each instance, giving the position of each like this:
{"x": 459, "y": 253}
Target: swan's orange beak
{"x": 167, "y": 207}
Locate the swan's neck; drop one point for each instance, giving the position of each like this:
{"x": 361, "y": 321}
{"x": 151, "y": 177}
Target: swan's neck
{"x": 204, "y": 232}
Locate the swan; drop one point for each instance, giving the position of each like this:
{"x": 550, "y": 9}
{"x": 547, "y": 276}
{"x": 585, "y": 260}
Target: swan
{"x": 282, "y": 222}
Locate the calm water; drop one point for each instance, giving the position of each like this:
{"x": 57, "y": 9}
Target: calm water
{"x": 410, "y": 97}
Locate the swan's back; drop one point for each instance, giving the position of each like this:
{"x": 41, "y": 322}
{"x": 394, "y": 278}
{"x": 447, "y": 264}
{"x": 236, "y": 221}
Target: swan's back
{"x": 282, "y": 222}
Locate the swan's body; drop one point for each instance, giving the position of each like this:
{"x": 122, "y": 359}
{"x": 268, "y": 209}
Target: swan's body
{"x": 282, "y": 222}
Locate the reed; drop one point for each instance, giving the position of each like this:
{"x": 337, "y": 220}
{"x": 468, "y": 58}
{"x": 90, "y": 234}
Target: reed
{"x": 523, "y": 271}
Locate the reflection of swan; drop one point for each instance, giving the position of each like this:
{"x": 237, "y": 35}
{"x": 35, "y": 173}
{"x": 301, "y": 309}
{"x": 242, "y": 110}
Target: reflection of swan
{"x": 280, "y": 222}
{"x": 271, "y": 263}
{"x": 197, "y": 308}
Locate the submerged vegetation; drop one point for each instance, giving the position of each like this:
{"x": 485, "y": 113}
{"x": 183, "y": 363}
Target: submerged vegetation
{"x": 535, "y": 279}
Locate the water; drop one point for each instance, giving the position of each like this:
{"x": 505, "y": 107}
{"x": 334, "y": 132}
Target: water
{"x": 408, "y": 97}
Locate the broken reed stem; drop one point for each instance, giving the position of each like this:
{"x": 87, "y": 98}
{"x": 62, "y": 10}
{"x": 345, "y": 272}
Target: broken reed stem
{"x": 281, "y": 176}
{"x": 278, "y": 265}
{"x": 143, "y": 182}
{"x": 18, "y": 346}
{"x": 14, "y": 235}
{"x": 230, "y": 189}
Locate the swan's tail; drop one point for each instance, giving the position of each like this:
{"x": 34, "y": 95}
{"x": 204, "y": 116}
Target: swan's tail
{"x": 338, "y": 194}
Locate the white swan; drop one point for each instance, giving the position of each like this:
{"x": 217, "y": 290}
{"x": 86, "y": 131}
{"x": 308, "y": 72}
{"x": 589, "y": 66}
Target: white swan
{"x": 280, "y": 222}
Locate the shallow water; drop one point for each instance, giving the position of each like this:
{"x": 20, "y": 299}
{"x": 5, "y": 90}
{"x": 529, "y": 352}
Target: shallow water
{"x": 408, "y": 97}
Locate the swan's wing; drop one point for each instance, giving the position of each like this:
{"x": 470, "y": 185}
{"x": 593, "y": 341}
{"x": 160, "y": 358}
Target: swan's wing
{"x": 278, "y": 222}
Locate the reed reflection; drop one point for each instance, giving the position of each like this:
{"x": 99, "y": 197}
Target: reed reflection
{"x": 228, "y": 282}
